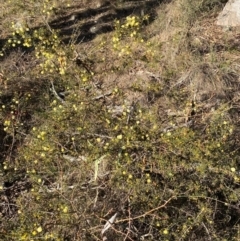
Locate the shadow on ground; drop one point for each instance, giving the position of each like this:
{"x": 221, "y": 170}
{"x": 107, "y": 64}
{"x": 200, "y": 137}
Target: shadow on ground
{"x": 88, "y": 23}
{"x": 77, "y": 24}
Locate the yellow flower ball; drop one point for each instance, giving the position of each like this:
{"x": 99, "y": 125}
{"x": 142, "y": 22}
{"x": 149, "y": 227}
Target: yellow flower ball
{"x": 165, "y": 231}
{"x": 119, "y": 137}
{"x": 39, "y": 229}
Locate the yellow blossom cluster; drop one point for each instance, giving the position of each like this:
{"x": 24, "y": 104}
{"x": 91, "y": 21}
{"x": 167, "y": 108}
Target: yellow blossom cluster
{"x": 20, "y": 35}
{"x": 53, "y": 58}
{"x": 131, "y": 21}
{"x": 129, "y": 29}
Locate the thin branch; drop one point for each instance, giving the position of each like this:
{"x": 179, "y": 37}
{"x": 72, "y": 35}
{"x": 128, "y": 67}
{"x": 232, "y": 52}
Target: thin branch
{"x": 147, "y": 213}
{"x": 206, "y": 230}
{"x": 129, "y": 222}
{"x": 55, "y": 93}
{"x": 102, "y": 96}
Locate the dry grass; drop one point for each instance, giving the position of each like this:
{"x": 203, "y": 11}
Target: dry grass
{"x": 156, "y": 116}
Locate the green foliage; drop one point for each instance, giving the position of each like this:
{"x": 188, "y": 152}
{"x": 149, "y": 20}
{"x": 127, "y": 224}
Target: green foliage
{"x": 84, "y": 157}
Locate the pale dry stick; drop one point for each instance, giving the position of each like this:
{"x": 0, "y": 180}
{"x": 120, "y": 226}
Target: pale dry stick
{"x": 213, "y": 199}
{"x": 110, "y": 211}
{"x": 98, "y": 239}
{"x": 9, "y": 157}
{"x": 103, "y": 136}
{"x": 55, "y": 93}
{"x": 129, "y": 222}
{"x": 109, "y": 223}
{"x": 215, "y": 209}
{"x": 45, "y": 20}
{"x": 117, "y": 231}
{"x": 102, "y": 96}
{"x": 130, "y": 113}
{"x": 147, "y": 213}
{"x": 96, "y": 198}
{"x": 143, "y": 215}
{"x": 1, "y": 78}
{"x": 206, "y": 230}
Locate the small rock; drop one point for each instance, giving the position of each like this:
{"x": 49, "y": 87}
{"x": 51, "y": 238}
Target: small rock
{"x": 230, "y": 15}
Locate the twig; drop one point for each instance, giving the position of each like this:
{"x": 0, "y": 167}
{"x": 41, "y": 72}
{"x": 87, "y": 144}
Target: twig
{"x": 96, "y": 198}
{"x": 103, "y": 136}
{"x": 206, "y": 230}
{"x": 129, "y": 222}
{"x": 132, "y": 107}
{"x": 117, "y": 231}
{"x": 147, "y": 213}
{"x": 55, "y": 93}
{"x": 102, "y": 96}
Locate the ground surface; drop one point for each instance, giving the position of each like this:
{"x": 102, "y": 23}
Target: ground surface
{"x": 118, "y": 110}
